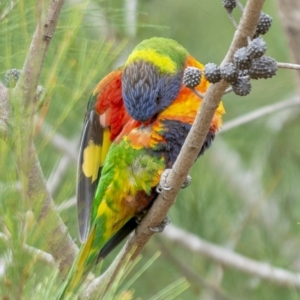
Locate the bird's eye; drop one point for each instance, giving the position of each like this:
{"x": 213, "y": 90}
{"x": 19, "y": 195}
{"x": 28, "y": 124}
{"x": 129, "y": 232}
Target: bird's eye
{"x": 158, "y": 98}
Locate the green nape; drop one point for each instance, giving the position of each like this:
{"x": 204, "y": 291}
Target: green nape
{"x": 165, "y": 54}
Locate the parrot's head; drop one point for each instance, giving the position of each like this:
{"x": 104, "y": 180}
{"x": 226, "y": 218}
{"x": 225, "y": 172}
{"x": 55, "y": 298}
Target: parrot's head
{"x": 152, "y": 77}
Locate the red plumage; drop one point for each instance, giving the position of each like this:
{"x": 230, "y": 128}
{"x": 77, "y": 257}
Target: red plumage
{"x": 109, "y": 103}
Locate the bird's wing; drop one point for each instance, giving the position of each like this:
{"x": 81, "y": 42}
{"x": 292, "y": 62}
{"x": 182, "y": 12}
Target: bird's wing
{"x": 104, "y": 120}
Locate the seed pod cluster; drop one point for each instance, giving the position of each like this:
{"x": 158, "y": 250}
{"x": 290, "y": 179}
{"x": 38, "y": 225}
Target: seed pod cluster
{"x": 212, "y": 72}
{"x": 264, "y": 24}
{"x": 229, "y": 4}
{"x": 248, "y": 63}
{"x": 191, "y": 77}
{"x": 263, "y": 67}
{"x": 242, "y": 59}
{"x": 229, "y": 72}
{"x": 242, "y": 86}
{"x": 11, "y": 77}
{"x": 256, "y": 48}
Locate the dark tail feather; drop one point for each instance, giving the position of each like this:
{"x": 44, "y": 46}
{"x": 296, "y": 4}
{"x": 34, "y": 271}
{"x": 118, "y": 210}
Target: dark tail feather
{"x": 117, "y": 238}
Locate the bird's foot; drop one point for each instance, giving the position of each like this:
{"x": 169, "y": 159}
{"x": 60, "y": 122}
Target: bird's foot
{"x": 139, "y": 217}
{"x": 187, "y": 182}
{"x": 163, "y": 182}
{"x": 161, "y": 226}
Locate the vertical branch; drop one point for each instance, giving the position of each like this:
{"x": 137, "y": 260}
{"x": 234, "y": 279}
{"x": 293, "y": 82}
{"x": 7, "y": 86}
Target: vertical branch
{"x": 22, "y": 100}
{"x": 38, "y": 48}
{"x": 51, "y": 227}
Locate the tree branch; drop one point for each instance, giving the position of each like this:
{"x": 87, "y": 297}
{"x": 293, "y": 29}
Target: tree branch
{"x": 288, "y": 66}
{"x": 260, "y": 112}
{"x": 44, "y": 32}
{"x": 34, "y": 189}
{"x": 189, "y": 150}
{"x": 51, "y": 227}
{"x": 232, "y": 259}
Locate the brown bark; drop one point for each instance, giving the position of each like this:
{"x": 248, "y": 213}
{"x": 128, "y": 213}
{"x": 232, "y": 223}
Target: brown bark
{"x": 34, "y": 189}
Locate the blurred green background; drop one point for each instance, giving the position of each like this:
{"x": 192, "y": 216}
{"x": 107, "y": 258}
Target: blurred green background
{"x": 245, "y": 190}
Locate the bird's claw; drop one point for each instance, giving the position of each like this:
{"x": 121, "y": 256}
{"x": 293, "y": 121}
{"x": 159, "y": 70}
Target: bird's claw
{"x": 140, "y": 216}
{"x": 187, "y": 182}
{"x": 159, "y": 189}
{"x": 163, "y": 186}
{"x": 163, "y": 182}
{"x": 161, "y": 226}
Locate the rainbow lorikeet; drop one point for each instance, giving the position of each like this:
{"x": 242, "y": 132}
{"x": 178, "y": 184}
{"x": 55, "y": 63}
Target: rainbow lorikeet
{"x": 137, "y": 120}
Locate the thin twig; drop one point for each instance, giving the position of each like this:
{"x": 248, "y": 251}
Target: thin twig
{"x": 288, "y": 66}
{"x": 231, "y": 18}
{"x": 228, "y": 90}
{"x": 261, "y": 112}
{"x": 232, "y": 259}
{"x": 197, "y": 93}
{"x": 240, "y": 5}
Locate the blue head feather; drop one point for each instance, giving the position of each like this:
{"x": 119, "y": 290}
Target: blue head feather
{"x": 146, "y": 91}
